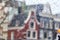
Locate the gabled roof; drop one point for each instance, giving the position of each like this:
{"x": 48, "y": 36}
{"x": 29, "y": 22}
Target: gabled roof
{"x": 29, "y": 15}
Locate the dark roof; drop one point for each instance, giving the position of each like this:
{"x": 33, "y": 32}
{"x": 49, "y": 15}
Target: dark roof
{"x": 22, "y": 17}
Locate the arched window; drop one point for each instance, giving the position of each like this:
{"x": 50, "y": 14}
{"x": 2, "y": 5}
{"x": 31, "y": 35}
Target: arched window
{"x": 34, "y": 33}
{"x": 29, "y": 33}
{"x": 32, "y": 24}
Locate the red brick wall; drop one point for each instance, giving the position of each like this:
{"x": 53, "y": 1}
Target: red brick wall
{"x": 20, "y": 33}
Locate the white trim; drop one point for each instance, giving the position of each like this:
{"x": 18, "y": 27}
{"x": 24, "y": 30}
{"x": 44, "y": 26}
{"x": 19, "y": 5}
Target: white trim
{"x": 12, "y": 35}
{"x": 29, "y": 15}
{"x": 56, "y": 26}
{"x": 31, "y": 35}
{"x": 17, "y": 27}
{"x": 35, "y": 35}
{"x": 27, "y": 35}
{"x": 30, "y": 25}
{"x": 41, "y": 23}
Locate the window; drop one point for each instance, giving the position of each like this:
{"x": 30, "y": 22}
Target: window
{"x": 45, "y": 24}
{"x": 13, "y": 22}
{"x": 51, "y": 23}
{"x": 29, "y": 33}
{"x": 50, "y": 35}
{"x": 42, "y": 22}
{"x": 55, "y": 34}
{"x": 17, "y": 22}
{"x": 41, "y": 33}
{"x": 19, "y": 10}
{"x": 56, "y": 25}
{"x": 34, "y": 34}
{"x": 45, "y": 34}
{"x": 32, "y": 24}
{"x": 39, "y": 8}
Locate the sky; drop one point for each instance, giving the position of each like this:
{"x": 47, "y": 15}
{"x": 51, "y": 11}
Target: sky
{"x": 55, "y": 4}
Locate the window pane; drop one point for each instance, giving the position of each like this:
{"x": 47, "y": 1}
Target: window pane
{"x": 41, "y": 33}
{"x": 28, "y": 33}
{"x": 33, "y": 34}
{"x": 19, "y": 9}
{"x": 56, "y": 25}
{"x": 55, "y": 34}
{"x": 13, "y": 22}
{"x": 46, "y": 24}
{"x": 32, "y": 24}
{"x": 45, "y": 35}
{"x": 50, "y": 24}
{"x": 50, "y": 35}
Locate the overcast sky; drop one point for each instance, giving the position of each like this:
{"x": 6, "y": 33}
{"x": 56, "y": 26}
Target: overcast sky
{"x": 55, "y": 4}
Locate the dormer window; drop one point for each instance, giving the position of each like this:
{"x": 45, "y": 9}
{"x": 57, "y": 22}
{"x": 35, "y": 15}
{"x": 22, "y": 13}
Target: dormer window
{"x": 19, "y": 10}
{"x": 17, "y": 22}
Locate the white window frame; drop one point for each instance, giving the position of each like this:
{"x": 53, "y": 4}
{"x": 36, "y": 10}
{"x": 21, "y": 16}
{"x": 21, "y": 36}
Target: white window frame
{"x": 17, "y": 23}
{"x": 50, "y": 34}
{"x": 46, "y": 25}
{"x": 30, "y": 24}
{"x": 12, "y": 35}
{"x": 56, "y": 25}
{"x": 42, "y": 21}
{"x": 31, "y": 35}
{"x": 35, "y": 35}
{"x": 27, "y": 34}
{"x": 41, "y": 34}
{"x": 50, "y": 22}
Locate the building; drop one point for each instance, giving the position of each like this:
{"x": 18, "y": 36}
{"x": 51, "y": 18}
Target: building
{"x": 3, "y": 20}
{"x": 46, "y": 27}
{"x": 30, "y": 28}
{"x": 45, "y": 18}
{"x": 20, "y": 22}
{"x": 56, "y": 24}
